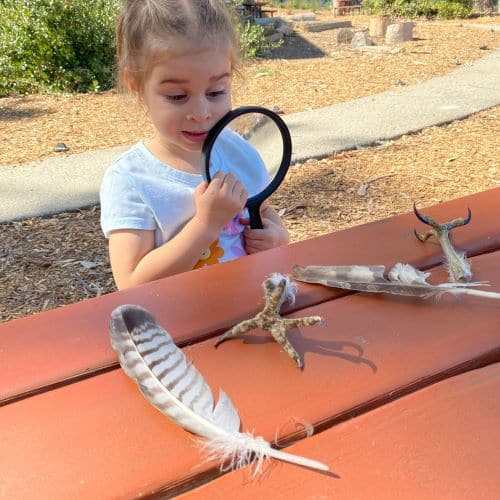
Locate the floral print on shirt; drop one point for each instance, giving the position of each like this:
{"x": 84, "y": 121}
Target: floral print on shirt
{"x": 210, "y": 256}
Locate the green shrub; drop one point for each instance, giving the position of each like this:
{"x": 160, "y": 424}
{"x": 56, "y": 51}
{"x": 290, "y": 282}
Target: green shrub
{"x": 56, "y": 45}
{"x": 446, "y": 9}
{"x": 253, "y": 42}
{"x": 69, "y": 46}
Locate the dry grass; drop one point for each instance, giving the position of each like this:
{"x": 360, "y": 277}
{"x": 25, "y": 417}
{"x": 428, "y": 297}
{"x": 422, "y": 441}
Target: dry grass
{"x": 48, "y": 262}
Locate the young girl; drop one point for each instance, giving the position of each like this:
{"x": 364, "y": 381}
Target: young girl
{"x": 177, "y": 57}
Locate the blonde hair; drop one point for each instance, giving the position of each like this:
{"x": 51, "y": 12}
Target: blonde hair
{"x": 147, "y": 30}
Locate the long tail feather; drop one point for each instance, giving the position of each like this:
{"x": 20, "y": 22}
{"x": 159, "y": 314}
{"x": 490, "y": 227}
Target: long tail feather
{"x": 174, "y": 386}
{"x": 402, "y": 279}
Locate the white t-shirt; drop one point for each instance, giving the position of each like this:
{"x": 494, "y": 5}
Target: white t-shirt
{"x": 141, "y": 192}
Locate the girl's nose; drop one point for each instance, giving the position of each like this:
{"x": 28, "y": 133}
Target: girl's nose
{"x": 200, "y": 111}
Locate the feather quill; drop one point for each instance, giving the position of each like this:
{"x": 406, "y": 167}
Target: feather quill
{"x": 402, "y": 279}
{"x": 174, "y": 386}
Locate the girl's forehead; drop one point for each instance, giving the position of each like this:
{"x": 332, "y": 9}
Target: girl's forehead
{"x": 205, "y": 63}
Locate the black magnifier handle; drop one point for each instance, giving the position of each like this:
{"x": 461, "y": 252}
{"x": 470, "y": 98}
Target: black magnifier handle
{"x": 255, "y": 218}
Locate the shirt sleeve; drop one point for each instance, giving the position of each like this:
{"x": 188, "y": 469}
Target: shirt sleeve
{"x": 122, "y": 206}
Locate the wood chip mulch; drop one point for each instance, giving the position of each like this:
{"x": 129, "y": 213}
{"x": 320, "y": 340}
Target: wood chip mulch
{"x": 53, "y": 261}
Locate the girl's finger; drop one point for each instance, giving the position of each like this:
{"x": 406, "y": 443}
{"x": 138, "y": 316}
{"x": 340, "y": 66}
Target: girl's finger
{"x": 230, "y": 180}
{"x": 200, "y": 189}
{"x": 255, "y": 234}
{"x": 227, "y": 185}
{"x": 243, "y": 195}
{"x": 217, "y": 181}
{"x": 256, "y": 247}
{"x": 239, "y": 190}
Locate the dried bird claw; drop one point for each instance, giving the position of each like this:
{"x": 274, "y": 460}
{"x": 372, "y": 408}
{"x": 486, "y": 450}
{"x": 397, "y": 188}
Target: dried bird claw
{"x": 456, "y": 262}
{"x": 277, "y": 289}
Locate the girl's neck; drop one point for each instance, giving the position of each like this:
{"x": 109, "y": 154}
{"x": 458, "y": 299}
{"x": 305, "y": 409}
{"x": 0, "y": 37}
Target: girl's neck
{"x": 188, "y": 162}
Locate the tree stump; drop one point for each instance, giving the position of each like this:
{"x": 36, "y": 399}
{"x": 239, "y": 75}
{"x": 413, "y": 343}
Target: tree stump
{"x": 378, "y": 26}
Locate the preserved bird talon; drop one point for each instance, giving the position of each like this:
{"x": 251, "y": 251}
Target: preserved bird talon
{"x": 456, "y": 262}
{"x": 277, "y": 289}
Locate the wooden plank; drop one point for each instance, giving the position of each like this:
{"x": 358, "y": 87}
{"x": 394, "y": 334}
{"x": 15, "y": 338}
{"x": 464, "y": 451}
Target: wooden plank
{"x": 107, "y": 439}
{"x": 437, "y": 443}
{"x": 56, "y": 347}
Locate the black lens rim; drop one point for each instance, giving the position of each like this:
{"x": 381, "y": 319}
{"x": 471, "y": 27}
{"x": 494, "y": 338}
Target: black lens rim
{"x": 209, "y": 142}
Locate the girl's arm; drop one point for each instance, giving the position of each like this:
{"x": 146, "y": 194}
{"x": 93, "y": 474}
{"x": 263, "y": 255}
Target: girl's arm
{"x": 134, "y": 258}
{"x": 273, "y": 234}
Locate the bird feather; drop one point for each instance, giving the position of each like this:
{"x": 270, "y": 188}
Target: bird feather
{"x": 174, "y": 386}
{"x": 402, "y": 279}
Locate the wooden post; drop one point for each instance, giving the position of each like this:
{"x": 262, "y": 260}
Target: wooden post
{"x": 378, "y": 26}
{"x": 335, "y": 7}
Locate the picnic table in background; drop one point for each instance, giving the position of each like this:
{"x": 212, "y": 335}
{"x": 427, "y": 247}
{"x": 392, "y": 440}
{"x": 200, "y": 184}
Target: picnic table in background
{"x": 342, "y": 7}
{"x": 257, "y": 9}
{"x": 401, "y": 393}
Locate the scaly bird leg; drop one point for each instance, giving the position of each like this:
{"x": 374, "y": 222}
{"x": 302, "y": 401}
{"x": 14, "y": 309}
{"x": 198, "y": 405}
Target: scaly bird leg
{"x": 456, "y": 262}
{"x": 238, "y": 329}
{"x": 278, "y": 331}
{"x": 265, "y": 318}
{"x": 269, "y": 319}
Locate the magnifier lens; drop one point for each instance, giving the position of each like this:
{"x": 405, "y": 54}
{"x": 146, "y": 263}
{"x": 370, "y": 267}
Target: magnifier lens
{"x": 254, "y": 144}
{"x": 251, "y": 147}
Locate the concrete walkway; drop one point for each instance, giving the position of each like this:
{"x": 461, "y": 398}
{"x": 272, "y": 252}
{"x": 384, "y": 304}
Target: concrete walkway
{"x": 58, "y": 184}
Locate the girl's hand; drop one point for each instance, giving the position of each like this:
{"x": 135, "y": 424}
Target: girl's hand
{"x": 218, "y": 202}
{"x": 273, "y": 234}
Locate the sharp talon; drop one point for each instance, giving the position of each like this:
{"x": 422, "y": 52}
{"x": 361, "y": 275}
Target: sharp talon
{"x": 221, "y": 339}
{"x": 298, "y": 359}
{"x": 469, "y": 216}
{"x": 425, "y": 236}
{"x": 420, "y": 216}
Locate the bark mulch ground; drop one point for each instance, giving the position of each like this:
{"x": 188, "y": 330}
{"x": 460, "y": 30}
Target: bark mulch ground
{"x": 53, "y": 261}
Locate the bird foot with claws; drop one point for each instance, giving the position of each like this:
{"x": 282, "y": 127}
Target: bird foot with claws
{"x": 277, "y": 289}
{"x": 456, "y": 262}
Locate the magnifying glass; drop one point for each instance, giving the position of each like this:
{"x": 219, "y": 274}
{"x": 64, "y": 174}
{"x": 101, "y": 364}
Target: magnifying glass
{"x": 254, "y": 144}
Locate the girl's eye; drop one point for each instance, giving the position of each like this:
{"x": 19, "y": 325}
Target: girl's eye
{"x": 216, "y": 93}
{"x": 177, "y": 97}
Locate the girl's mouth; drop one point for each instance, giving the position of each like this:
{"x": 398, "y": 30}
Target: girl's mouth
{"x": 195, "y": 136}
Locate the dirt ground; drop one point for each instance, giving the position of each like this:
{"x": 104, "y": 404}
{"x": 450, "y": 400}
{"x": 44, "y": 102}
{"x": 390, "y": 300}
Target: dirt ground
{"x": 53, "y": 261}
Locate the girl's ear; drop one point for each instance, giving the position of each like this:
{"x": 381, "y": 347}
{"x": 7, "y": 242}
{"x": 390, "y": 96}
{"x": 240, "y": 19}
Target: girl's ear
{"x": 130, "y": 81}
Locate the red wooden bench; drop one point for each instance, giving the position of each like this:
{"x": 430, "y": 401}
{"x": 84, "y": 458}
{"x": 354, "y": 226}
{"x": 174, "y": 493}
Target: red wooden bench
{"x": 436, "y": 443}
{"x": 73, "y": 425}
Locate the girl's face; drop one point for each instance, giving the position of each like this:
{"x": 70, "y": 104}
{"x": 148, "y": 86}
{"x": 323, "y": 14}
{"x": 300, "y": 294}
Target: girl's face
{"x": 185, "y": 96}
